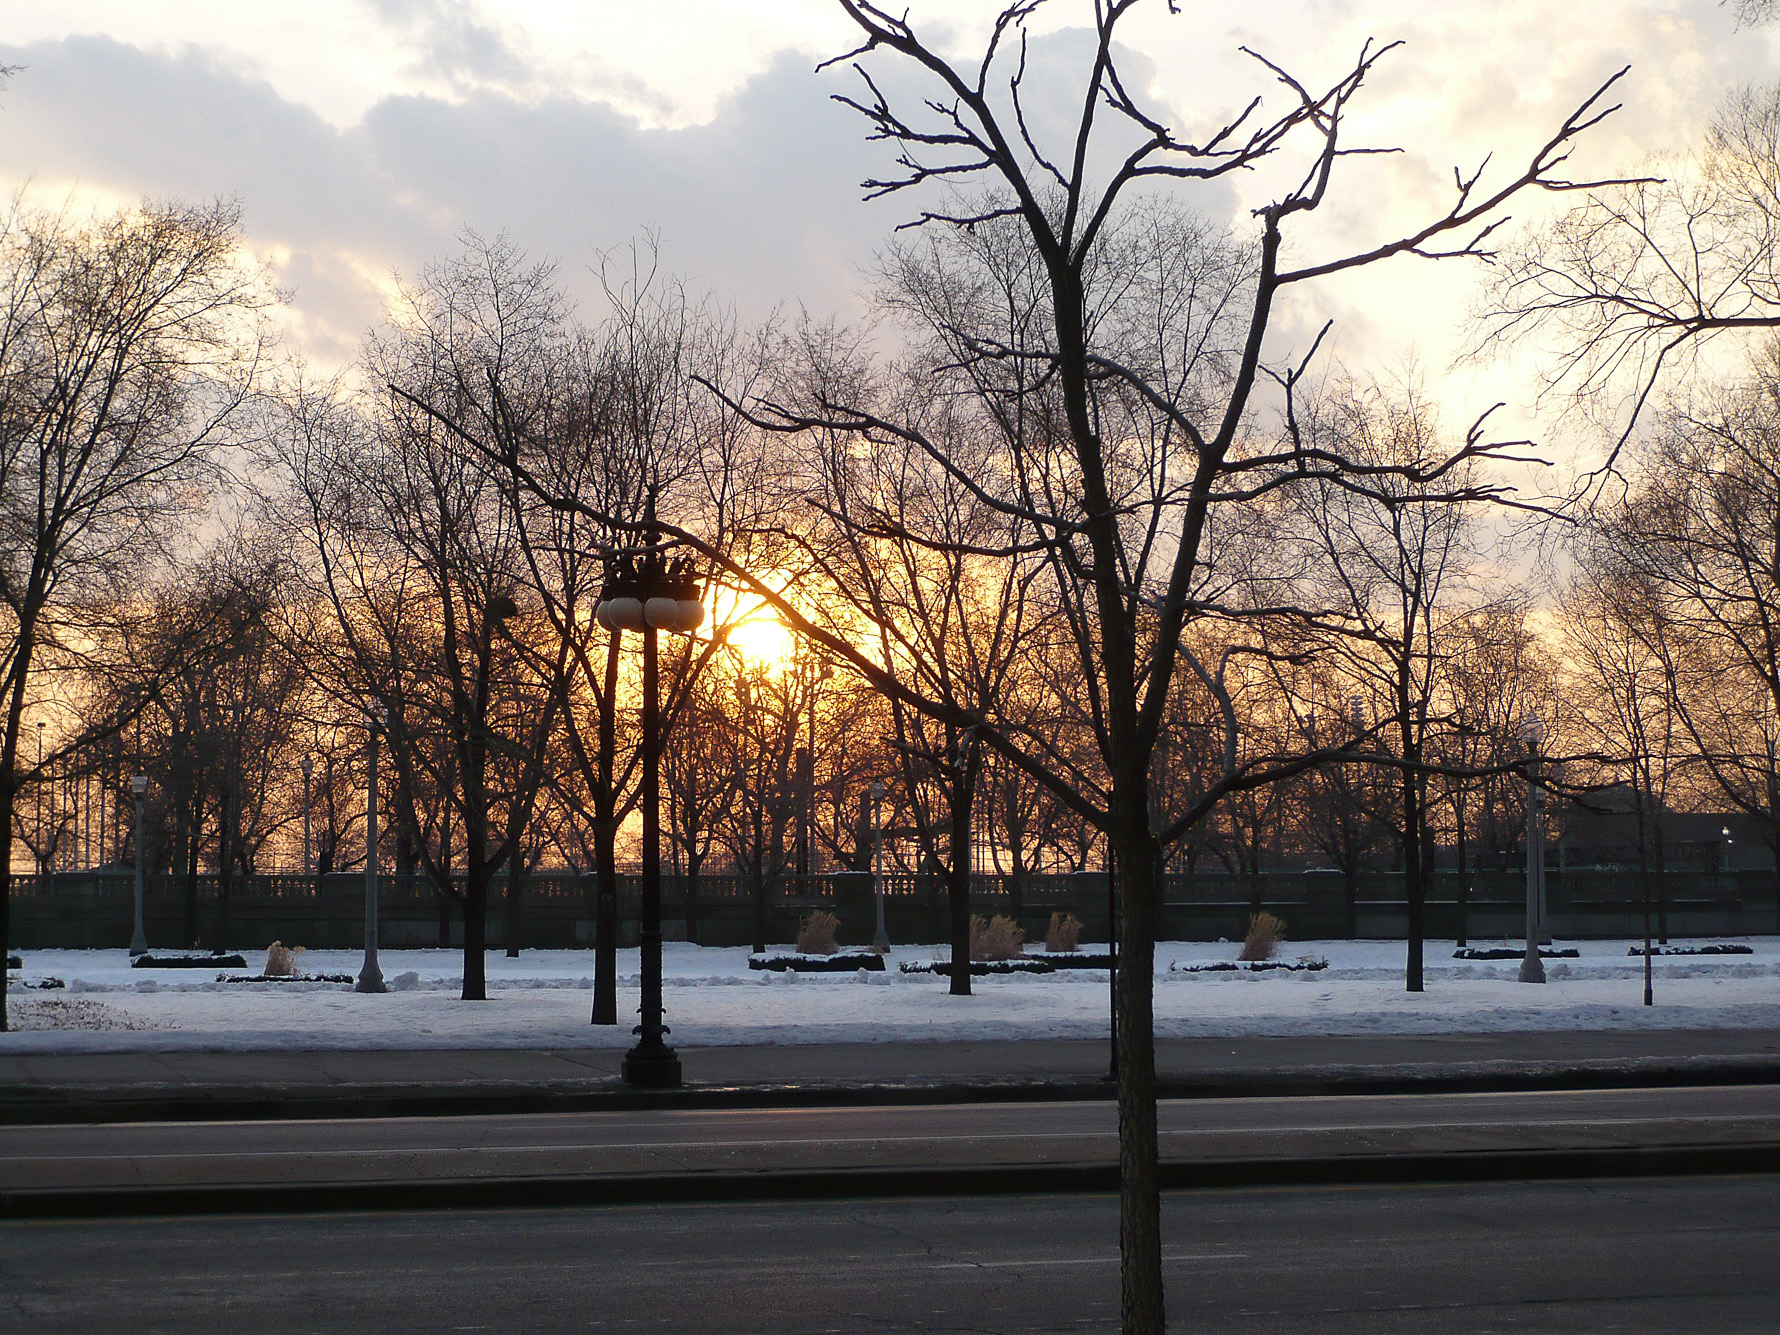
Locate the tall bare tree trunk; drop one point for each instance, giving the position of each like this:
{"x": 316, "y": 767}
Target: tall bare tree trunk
{"x": 1415, "y": 890}
{"x": 605, "y": 923}
{"x": 605, "y": 846}
{"x": 476, "y": 933}
{"x": 225, "y": 811}
{"x": 195, "y": 838}
{"x": 693, "y": 863}
{"x": 8, "y": 793}
{"x": 963, "y": 792}
{"x": 1140, "y": 1197}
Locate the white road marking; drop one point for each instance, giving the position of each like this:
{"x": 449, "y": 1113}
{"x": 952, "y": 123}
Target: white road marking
{"x": 1082, "y": 1260}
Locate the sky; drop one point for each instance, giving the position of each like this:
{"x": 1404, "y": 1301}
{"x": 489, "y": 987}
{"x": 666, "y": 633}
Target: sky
{"x": 363, "y": 136}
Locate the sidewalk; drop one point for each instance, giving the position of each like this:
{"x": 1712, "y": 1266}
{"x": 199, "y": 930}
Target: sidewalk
{"x": 130, "y": 1086}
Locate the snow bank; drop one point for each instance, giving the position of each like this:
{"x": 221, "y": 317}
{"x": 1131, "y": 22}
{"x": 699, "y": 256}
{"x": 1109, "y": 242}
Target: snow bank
{"x": 543, "y": 999}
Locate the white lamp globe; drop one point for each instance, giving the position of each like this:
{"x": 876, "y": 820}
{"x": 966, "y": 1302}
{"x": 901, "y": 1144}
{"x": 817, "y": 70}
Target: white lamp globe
{"x": 624, "y": 613}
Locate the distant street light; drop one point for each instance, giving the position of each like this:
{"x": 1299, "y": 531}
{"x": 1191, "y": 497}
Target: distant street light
{"x": 41, "y": 864}
{"x": 370, "y": 976}
{"x": 139, "y": 938}
{"x": 880, "y": 942}
{"x": 1532, "y": 969}
{"x": 308, "y": 803}
{"x": 648, "y": 593}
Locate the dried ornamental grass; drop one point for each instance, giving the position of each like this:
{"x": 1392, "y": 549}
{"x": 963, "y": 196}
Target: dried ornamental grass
{"x": 281, "y": 960}
{"x": 1064, "y": 934}
{"x": 1265, "y": 932}
{"x": 818, "y": 934}
{"x": 997, "y": 938}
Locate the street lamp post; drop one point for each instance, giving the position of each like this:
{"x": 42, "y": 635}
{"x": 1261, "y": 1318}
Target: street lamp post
{"x": 42, "y": 864}
{"x": 1532, "y": 968}
{"x": 880, "y": 942}
{"x": 647, "y": 594}
{"x": 370, "y": 976}
{"x": 138, "y": 938}
{"x": 1466, "y": 730}
{"x": 308, "y": 800}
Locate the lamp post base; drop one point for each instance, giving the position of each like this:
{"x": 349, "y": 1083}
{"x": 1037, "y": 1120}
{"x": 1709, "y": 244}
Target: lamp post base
{"x": 370, "y": 977}
{"x": 652, "y": 1064}
{"x": 1532, "y": 968}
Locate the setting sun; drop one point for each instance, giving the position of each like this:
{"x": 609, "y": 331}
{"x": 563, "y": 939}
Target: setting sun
{"x": 763, "y": 640}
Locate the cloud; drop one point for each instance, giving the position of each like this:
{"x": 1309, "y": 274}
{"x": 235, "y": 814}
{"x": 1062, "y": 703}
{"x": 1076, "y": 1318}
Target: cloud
{"x": 760, "y": 205}
{"x": 760, "y": 202}
{"x": 456, "y": 44}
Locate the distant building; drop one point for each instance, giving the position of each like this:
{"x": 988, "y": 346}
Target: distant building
{"x": 1601, "y": 832}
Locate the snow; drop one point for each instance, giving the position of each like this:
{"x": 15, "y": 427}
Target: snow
{"x": 543, "y": 998}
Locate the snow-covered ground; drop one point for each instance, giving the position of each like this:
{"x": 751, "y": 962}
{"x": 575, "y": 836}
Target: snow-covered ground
{"x": 542, "y": 1000}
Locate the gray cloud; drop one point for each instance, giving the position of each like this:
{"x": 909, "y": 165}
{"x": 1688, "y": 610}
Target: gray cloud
{"x": 454, "y": 43}
{"x": 760, "y": 206}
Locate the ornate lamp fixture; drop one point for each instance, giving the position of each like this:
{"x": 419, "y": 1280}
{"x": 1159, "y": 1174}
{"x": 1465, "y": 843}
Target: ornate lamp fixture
{"x": 648, "y": 593}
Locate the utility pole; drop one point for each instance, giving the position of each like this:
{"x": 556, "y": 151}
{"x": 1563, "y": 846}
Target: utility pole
{"x": 308, "y": 802}
{"x": 370, "y": 976}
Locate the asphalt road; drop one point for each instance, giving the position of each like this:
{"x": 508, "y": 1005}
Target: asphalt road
{"x": 47, "y": 1158}
{"x": 1651, "y": 1255}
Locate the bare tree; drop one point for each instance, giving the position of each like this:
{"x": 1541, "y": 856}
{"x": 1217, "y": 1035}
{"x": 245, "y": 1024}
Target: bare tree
{"x": 127, "y": 348}
{"x": 918, "y": 557}
{"x": 1125, "y": 431}
{"x": 1340, "y": 807}
{"x": 635, "y": 439}
{"x": 699, "y": 785}
{"x": 852, "y": 730}
{"x": 1697, "y": 537}
{"x": 410, "y": 544}
{"x": 1389, "y": 560}
{"x": 1618, "y": 647}
{"x": 1630, "y": 286}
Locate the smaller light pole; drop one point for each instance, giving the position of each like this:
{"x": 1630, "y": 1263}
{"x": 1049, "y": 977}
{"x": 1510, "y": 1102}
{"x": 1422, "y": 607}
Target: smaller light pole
{"x": 370, "y": 976}
{"x": 880, "y": 942}
{"x": 42, "y": 865}
{"x": 308, "y": 800}
{"x": 139, "y": 938}
{"x": 1532, "y": 968}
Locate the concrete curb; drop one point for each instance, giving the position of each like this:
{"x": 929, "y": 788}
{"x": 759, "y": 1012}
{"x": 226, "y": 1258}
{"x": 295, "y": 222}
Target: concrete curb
{"x": 847, "y": 1184}
{"x": 83, "y": 1104}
